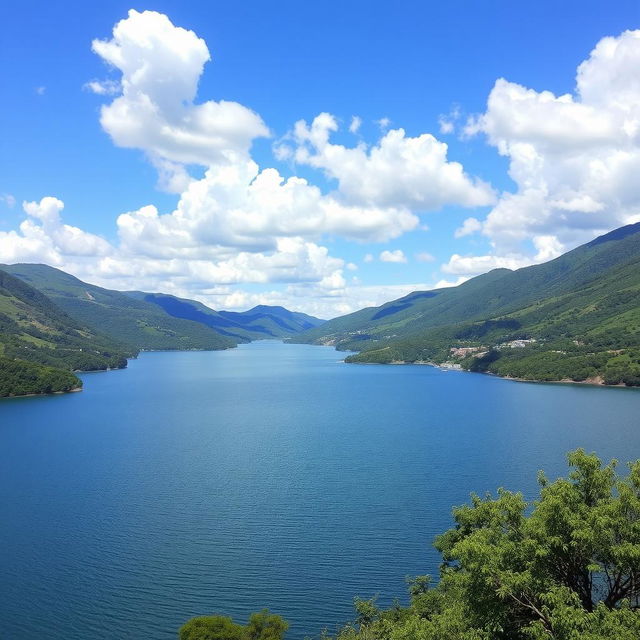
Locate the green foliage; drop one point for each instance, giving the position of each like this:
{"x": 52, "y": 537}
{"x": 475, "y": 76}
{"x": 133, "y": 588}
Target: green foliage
{"x": 261, "y": 626}
{"x": 265, "y": 626}
{"x": 566, "y": 567}
{"x": 41, "y": 345}
{"x": 211, "y": 628}
{"x": 18, "y": 378}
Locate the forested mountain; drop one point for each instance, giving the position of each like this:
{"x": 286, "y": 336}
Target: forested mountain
{"x": 40, "y": 345}
{"x": 136, "y": 322}
{"x": 156, "y": 320}
{"x": 576, "y": 317}
{"x": 261, "y": 322}
{"x": 52, "y": 319}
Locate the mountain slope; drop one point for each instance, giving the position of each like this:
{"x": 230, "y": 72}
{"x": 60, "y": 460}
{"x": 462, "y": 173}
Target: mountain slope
{"x": 40, "y": 344}
{"x": 261, "y": 322}
{"x": 578, "y": 315}
{"x": 120, "y": 316}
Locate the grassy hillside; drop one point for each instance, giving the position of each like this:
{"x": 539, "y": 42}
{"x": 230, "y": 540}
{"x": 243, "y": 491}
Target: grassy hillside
{"x": 40, "y": 345}
{"x": 576, "y": 317}
{"x": 127, "y": 319}
{"x": 261, "y": 322}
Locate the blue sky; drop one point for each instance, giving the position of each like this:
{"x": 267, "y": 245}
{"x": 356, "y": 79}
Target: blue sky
{"x": 535, "y": 172}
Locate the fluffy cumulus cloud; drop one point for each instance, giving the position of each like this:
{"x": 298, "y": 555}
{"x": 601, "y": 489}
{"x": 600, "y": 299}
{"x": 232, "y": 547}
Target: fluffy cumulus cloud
{"x": 241, "y": 206}
{"x": 469, "y": 227}
{"x": 43, "y": 236}
{"x": 473, "y": 265}
{"x": 236, "y": 222}
{"x": 574, "y": 158}
{"x": 161, "y": 65}
{"x": 313, "y": 280}
{"x": 393, "y": 256}
{"x": 399, "y": 171}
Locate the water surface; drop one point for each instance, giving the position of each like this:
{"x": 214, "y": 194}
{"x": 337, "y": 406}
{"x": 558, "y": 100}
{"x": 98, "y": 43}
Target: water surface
{"x": 266, "y": 476}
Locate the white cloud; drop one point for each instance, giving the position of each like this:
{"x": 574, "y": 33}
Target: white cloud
{"x": 383, "y": 123}
{"x": 445, "y": 284}
{"x": 423, "y": 256}
{"x": 474, "y": 265}
{"x": 103, "y": 87}
{"x": 238, "y": 223}
{"x": 574, "y": 158}
{"x": 161, "y": 65}
{"x": 42, "y": 237}
{"x": 447, "y": 122}
{"x": 241, "y": 206}
{"x": 446, "y": 126}
{"x": 54, "y": 235}
{"x": 368, "y": 258}
{"x": 548, "y": 248}
{"x": 41, "y": 90}
{"x": 469, "y": 227}
{"x": 399, "y": 171}
{"x": 393, "y": 256}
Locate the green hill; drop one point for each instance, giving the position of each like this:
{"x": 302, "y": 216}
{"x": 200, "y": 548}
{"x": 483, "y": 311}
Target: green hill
{"x": 59, "y": 324}
{"x": 576, "y": 318}
{"x": 261, "y": 322}
{"x": 125, "y": 318}
{"x": 40, "y": 345}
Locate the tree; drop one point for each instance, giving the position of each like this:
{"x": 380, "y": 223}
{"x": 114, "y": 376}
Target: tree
{"x": 261, "y": 626}
{"x": 211, "y": 628}
{"x": 566, "y": 567}
{"x": 266, "y": 626}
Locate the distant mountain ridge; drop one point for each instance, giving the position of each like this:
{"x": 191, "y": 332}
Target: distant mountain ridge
{"x": 578, "y": 315}
{"x": 261, "y": 322}
{"x": 135, "y": 322}
{"x": 156, "y": 320}
{"x": 52, "y": 319}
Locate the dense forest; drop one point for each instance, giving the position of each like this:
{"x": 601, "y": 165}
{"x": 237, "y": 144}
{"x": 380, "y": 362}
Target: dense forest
{"x": 18, "y": 378}
{"x": 564, "y": 567}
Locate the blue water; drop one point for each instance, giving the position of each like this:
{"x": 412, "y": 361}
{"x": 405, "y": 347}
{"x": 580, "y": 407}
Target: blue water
{"x": 266, "y": 476}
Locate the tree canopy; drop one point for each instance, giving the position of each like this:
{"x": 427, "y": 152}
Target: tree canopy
{"x": 565, "y": 567}
{"x": 261, "y": 626}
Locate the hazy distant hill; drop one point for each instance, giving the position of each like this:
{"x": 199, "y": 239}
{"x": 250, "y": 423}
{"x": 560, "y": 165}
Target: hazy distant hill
{"x": 261, "y": 322}
{"x": 579, "y": 316}
{"x": 136, "y": 322}
{"x": 40, "y": 345}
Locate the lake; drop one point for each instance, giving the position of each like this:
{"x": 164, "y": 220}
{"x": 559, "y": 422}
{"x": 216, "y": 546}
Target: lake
{"x": 270, "y": 475}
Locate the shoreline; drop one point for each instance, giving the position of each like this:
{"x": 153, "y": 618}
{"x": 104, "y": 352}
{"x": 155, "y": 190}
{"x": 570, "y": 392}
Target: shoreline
{"x": 596, "y": 381}
{"x": 40, "y": 395}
